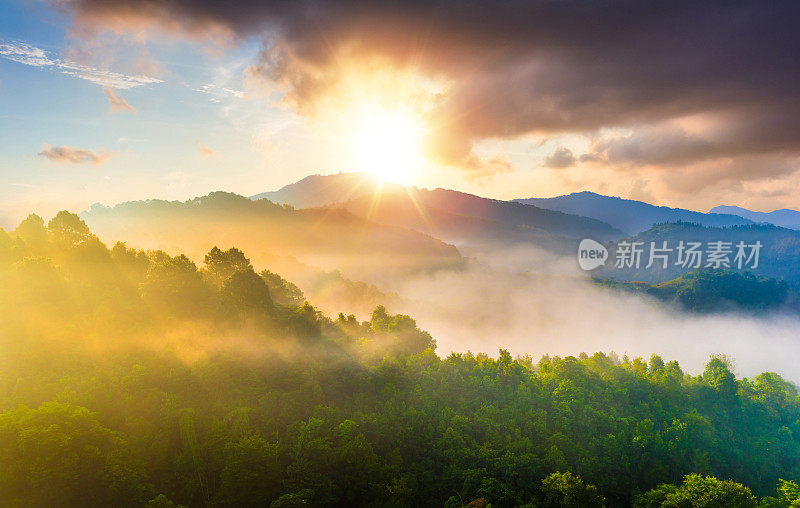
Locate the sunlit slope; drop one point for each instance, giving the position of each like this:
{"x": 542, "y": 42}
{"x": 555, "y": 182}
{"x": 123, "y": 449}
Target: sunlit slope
{"x": 453, "y": 216}
{"x": 318, "y": 190}
{"x": 328, "y": 239}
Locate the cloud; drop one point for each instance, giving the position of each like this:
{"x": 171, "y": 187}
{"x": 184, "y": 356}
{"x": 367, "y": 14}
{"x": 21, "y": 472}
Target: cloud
{"x": 217, "y": 93}
{"x": 652, "y": 145}
{"x": 117, "y": 103}
{"x": 684, "y": 161}
{"x": 482, "y": 170}
{"x": 640, "y": 192}
{"x": 727, "y": 174}
{"x": 26, "y": 54}
{"x": 105, "y": 78}
{"x": 205, "y": 151}
{"x": 670, "y": 143}
{"x": 562, "y": 157}
{"x": 64, "y": 154}
{"x": 516, "y": 68}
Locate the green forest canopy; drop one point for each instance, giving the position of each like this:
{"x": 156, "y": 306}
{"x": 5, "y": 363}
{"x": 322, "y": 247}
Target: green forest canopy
{"x": 716, "y": 290}
{"x": 133, "y": 378}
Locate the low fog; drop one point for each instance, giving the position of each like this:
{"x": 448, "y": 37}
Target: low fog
{"x": 531, "y": 302}
{"x": 521, "y": 298}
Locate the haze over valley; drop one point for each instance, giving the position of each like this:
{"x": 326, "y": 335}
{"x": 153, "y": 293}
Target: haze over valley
{"x": 478, "y": 273}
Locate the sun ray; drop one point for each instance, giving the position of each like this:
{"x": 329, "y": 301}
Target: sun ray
{"x": 376, "y": 200}
{"x": 421, "y": 211}
{"x": 350, "y": 193}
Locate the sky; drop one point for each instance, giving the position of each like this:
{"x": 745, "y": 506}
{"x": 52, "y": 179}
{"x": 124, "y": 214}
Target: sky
{"x": 679, "y": 103}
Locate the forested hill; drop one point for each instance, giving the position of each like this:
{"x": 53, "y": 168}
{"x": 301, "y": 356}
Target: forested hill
{"x": 328, "y": 239}
{"x": 718, "y": 290}
{"x": 136, "y": 378}
{"x": 779, "y": 256}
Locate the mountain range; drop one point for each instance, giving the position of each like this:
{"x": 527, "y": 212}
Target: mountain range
{"x": 629, "y": 215}
{"x": 459, "y": 217}
{"x": 783, "y": 217}
{"x": 465, "y": 220}
{"x": 373, "y": 230}
{"x": 455, "y": 217}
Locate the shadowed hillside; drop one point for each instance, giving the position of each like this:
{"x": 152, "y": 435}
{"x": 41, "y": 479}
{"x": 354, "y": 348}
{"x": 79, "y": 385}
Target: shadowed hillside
{"x": 779, "y": 256}
{"x": 629, "y": 215}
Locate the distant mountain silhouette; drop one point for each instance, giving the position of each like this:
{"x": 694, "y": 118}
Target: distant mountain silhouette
{"x": 784, "y": 217}
{"x": 452, "y": 216}
{"x": 629, "y": 215}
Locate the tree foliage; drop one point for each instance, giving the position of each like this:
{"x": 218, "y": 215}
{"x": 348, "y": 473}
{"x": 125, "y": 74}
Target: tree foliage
{"x": 137, "y": 378}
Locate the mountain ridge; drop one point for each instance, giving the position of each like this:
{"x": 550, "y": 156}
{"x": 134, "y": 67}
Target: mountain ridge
{"x": 629, "y": 215}
{"x": 459, "y": 216}
{"x": 784, "y": 217}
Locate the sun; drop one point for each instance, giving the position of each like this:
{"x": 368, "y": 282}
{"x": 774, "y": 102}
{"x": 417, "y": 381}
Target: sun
{"x": 388, "y": 144}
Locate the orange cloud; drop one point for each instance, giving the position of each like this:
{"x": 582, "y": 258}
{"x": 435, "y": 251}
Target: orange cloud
{"x": 64, "y": 154}
{"x": 117, "y": 103}
{"x": 205, "y": 151}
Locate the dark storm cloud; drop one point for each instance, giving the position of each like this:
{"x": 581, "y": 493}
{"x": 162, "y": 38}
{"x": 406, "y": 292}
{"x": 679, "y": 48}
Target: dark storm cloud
{"x": 518, "y": 67}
